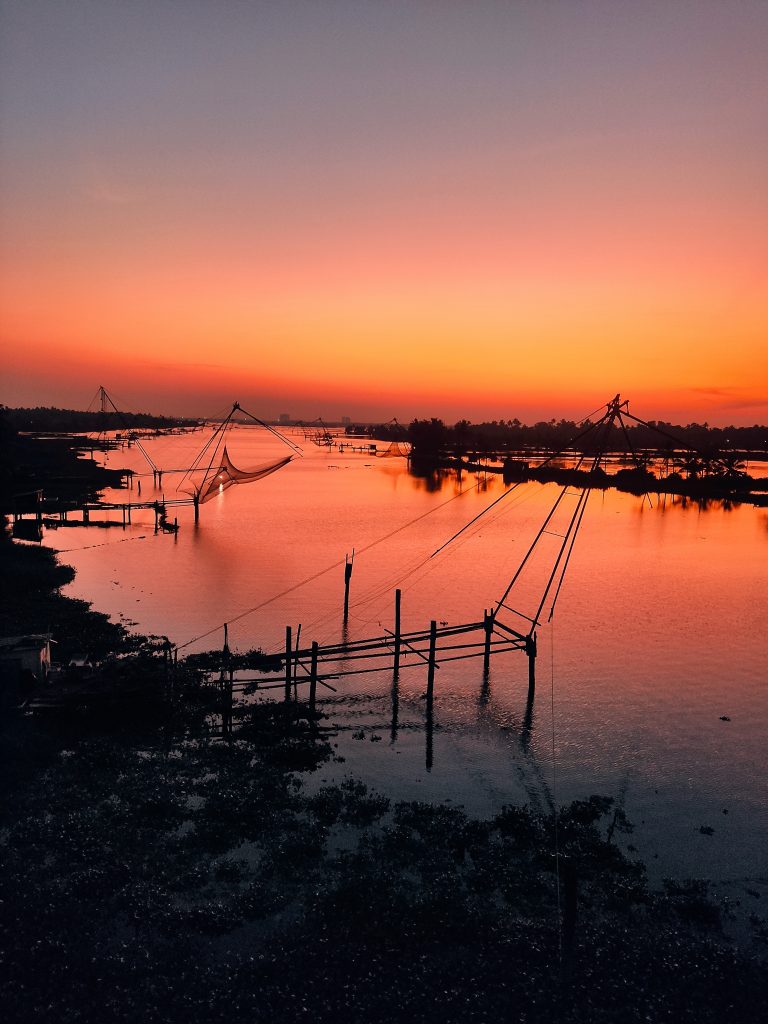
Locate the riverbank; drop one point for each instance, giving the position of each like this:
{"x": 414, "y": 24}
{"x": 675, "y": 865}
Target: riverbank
{"x": 739, "y": 489}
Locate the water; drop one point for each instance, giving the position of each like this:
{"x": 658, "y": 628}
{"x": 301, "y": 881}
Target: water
{"x": 659, "y": 631}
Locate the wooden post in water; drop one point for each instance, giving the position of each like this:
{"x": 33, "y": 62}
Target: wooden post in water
{"x": 530, "y": 650}
{"x": 129, "y": 509}
{"x": 488, "y": 628}
{"x": 288, "y": 657}
{"x": 431, "y": 691}
{"x": 347, "y": 577}
{"x": 296, "y": 666}
{"x": 398, "y": 598}
{"x": 196, "y": 503}
{"x": 313, "y": 678}
{"x": 228, "y": 701}
{"x": 432, "y": 662}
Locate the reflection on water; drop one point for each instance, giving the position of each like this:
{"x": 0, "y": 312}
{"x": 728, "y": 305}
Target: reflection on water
{"x": 659, "y": 635}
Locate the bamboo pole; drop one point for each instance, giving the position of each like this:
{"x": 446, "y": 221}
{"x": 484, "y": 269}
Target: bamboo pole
{"x": 488, "y": 627}
{"x": 398, "y": 599}
{"x": 288, "y": 659}
{"x": 432, "y": 662}
{"x": 313, "y": 678}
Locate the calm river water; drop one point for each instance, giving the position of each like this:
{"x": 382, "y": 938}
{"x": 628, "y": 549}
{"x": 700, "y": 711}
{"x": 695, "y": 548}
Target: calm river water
{"x": 659, "y": 632}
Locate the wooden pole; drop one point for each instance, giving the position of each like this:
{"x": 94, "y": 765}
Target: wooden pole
{"x": 398, "y": 599}
{"x": 530, "y": 650}
{"x": 228, "y": 696}
{"x": 347, "y": 577}
{"x": 488, "y": 627}
{"x": 431, "y": 692}
{"x": 196, "y": 503}
{"x": 313, "y": 678}
{"x": 288, "y": 657}
{"x": 432, "y": 662}
{"x": 296, "y": 665}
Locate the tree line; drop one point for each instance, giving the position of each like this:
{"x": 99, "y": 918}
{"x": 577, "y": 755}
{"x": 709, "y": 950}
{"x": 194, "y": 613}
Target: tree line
{"x": 72, "y": 421}
{"x": 431, "y": 436}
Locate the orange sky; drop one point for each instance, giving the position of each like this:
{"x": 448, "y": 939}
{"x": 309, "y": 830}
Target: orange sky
{"x": 340, "y": 210}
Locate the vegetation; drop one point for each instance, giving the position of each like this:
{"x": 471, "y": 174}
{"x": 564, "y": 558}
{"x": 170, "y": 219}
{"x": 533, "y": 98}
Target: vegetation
{"x": 202, "y": 880}
{"x": 433, "y": 434}
{"x": 68, "y": 421}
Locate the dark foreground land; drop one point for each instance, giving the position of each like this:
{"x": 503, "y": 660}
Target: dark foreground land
{"x": 151, "y": 871}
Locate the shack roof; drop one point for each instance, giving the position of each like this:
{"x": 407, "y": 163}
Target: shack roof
{"x": 28, "y": 641}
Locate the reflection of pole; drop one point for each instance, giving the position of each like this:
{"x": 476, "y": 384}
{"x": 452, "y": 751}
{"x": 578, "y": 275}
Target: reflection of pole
{"x": 395, "y": 709}
{"x": 288, "y": 656}
{"x": 398, "y": 597}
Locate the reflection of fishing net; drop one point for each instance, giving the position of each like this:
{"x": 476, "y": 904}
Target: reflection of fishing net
{"x": 228, "y": 474}
{"x": 396, "y": 450}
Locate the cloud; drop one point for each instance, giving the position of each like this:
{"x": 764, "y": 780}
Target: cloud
{"x": 733, "y": 397}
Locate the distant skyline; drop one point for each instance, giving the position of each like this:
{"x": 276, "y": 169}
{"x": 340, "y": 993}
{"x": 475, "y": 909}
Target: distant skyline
{"x": 371, "y": 209}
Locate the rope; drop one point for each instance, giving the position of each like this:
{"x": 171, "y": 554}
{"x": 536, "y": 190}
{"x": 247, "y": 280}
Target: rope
{"x": 319, "y": 573}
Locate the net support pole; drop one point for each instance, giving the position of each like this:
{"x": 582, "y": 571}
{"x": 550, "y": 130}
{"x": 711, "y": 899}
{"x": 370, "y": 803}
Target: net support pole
{"x": 431, "y": 665}
{"x": 488, "y": 629}
{"x": 288, "y": 659}
{"x": 313, "y": 678}
{"x": 396, "y": 667}
{"x": 530, "y": 650}
{"x": 347, "y": 577}
{"x": 430, "y": 695}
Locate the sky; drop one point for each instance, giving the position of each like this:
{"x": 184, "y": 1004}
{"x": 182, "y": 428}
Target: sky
{"x": 483, "y": 210}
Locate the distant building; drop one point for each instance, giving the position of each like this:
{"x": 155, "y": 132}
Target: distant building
{"x": 345, "y": 421}
{"x": 284, "y": 418}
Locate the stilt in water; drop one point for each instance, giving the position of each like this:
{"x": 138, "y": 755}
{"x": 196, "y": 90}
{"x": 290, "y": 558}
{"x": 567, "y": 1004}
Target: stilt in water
{"x": 431, "y": 690}
{"x": 432, "y": 662}
{"x": 348, "y": 563}
{"x": 488, "y": 629}
{"x": 313, "y": 680}
{"x": 398, "y": 598}
{"x": 288, "y": 659}
{"x": 530, "y": 650}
